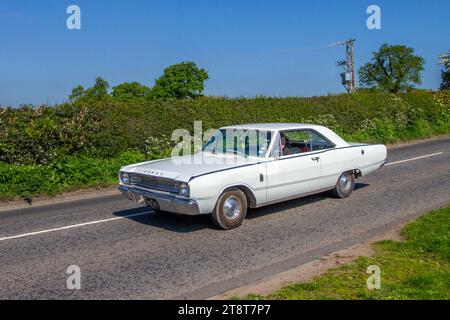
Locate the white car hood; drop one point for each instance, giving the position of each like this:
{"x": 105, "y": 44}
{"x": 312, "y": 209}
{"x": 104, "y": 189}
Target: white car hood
{"x": 186, "y": 167}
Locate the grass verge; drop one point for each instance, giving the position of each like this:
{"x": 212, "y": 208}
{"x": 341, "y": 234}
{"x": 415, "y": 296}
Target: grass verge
{"x": 417, "y": 268}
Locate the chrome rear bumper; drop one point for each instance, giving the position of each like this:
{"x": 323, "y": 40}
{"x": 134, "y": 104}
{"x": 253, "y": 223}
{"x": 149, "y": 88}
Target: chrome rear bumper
{"x": 166, "y": 202}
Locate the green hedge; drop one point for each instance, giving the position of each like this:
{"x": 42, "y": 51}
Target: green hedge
{"x": 49, "y": 149}
{"x": 65, "y": 174}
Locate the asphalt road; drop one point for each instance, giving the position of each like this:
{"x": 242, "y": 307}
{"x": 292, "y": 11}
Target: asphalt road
{"x": 126, "y": 251}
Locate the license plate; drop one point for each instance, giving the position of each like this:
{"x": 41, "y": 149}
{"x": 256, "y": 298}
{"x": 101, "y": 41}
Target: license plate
{"x": 152, "y": 203}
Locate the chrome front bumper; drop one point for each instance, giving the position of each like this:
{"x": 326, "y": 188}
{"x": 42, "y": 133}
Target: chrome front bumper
{"x": 166, "y": 202}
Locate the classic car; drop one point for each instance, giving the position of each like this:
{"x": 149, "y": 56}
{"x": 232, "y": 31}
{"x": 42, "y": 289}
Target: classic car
{"x": 249, "y": 166}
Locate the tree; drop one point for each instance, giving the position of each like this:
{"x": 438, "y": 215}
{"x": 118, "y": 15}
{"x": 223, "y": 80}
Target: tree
{"x": 77, "y": 93}
{"x": 98, "y": 91}
{"x": 128, "y": 90}
{"x": 444, "y": 60}
{"x": 180, "y": 81}
{"x": 392, "y": 69}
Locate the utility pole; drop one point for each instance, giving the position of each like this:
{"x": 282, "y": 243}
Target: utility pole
{"x": 348, "y": 76}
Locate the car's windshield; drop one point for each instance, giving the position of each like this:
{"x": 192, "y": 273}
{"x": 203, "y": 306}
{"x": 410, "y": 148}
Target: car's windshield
{"x": 244, "y": 142}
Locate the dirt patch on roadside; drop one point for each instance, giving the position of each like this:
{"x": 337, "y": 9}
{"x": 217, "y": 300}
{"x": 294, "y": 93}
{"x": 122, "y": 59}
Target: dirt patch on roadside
{"x": 63, "y": 197}
{"x": 399, "y": 144}
{"x": 308, "y": 271}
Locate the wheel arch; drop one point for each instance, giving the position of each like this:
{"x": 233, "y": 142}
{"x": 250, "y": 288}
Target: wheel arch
{"x": 357, "y": 172}
{"x": 249, "y": 195}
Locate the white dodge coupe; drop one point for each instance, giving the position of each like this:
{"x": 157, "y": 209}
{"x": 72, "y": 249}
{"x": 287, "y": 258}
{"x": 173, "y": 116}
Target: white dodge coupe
{"x": 249, "y": 166}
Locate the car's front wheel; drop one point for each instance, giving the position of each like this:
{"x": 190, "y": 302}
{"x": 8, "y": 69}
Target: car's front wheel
{"x": 230, "y": 210}
{"x": 345, "y": 185}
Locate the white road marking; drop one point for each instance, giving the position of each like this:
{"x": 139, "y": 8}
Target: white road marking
{"x": 73, "y": 226}
{"x": 412, "y": 159}
{"x": 147, "y": 212}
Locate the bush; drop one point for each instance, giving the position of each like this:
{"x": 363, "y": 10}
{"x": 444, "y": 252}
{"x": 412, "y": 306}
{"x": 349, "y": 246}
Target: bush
{"x": 66, "y": 173}
{"x": 48, "y": 149}
{"x": 105, "y": 128}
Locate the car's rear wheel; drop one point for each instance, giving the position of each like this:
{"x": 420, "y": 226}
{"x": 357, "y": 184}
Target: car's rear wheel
{"x": 230, "y": 209}
{"x": 345, "y": 185}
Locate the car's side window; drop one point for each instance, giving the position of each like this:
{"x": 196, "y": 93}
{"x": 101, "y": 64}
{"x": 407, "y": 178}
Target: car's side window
{"x": 318, "y": 142}
{"x": 294, "y": 142}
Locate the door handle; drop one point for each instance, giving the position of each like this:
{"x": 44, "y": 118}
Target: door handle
{"x": 315, "y": 159}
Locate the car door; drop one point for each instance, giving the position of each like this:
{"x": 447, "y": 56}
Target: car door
{"x": 331, "y": 160}
{"x": 293, "y": 174}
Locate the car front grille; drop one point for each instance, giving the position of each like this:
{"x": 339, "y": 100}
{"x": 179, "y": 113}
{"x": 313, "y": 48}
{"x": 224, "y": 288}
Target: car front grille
{"x": 151, "y": 182}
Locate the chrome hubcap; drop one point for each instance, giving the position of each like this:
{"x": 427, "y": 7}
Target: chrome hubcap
{"x": 232, "y": 208}
{"x": 345, "y": 182}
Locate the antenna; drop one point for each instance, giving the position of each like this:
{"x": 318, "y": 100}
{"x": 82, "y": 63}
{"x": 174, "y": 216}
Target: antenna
{"x": 348, "y": 76}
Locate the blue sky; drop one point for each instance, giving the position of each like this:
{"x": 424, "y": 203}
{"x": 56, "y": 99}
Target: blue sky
{"x": 250, "y": 48}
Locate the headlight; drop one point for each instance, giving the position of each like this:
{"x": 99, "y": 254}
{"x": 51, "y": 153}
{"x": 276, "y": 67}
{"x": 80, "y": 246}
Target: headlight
{"x": 183, "y": 189}
{"x": 125, "y": 178}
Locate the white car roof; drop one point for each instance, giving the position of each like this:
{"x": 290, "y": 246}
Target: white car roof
{"x": 272, "y": 126}
{"x": 338, "y": 141}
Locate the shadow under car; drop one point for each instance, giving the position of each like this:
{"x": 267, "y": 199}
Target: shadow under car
{"x": 185, "y": 223}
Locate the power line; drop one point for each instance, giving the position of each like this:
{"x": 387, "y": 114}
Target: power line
{"x": 348, "y": 76}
